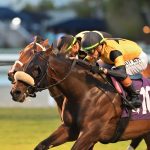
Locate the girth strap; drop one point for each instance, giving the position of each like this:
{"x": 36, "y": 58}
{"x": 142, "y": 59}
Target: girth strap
{"x": 121, "y": 126}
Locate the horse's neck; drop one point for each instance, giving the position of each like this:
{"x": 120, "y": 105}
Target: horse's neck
{"x": 77, "y": 77}
{"x": 83, "y": 87}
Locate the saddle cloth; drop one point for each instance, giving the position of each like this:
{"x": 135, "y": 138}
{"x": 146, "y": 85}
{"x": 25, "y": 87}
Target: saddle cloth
{"x": 142, "y": 85}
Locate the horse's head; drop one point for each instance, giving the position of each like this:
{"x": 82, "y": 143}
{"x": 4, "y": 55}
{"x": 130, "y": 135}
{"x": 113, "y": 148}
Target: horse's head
{"x": 32, "y": 75}
{"x": 46, "y": 70}
{"x": 26, "y": 54}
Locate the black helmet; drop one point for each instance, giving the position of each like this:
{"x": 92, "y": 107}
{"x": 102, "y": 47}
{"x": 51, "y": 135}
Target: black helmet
{"x": 80, "y": 35}
{"x": 91, "y": 40}
{"x": 66, "y": 42}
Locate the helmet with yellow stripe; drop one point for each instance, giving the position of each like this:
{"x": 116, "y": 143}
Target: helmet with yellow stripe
{"x": 91, "y": 40}
{"x": 66, "y": 42}
{"x": 80, "y": 35}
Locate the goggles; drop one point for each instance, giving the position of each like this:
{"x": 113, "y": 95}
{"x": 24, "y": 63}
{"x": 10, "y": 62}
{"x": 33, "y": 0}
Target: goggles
{"x": 73, "y": 42}
{"x": 91, "y": 49}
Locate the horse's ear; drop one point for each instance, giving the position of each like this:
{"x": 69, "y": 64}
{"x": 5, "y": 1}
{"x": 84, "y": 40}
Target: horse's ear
{"x": 45, "y": 42}
{"x": 48, "y": 51}
{"x": 38, "y": 39}
{"x": 52, "y": 46}
{"x": 35, "y": 39}
{"x": 34, "y": 47}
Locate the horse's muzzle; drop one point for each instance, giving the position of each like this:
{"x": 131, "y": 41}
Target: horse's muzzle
{"x": 16, "y": 94}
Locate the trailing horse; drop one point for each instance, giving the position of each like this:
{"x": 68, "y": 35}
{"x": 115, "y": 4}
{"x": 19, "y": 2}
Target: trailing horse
{"x": 86, "y": 114}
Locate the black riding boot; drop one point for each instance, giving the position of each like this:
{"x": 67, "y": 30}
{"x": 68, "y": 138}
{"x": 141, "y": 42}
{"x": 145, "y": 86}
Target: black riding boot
{"x": 133, "y": 96}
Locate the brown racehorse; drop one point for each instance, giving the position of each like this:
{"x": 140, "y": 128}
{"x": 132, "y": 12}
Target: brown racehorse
{"x": 86, "y": 114}
{"x": 25, "y": 56}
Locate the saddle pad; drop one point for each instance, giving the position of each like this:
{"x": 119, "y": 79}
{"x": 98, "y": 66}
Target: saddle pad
{"x": 143, "y": 86}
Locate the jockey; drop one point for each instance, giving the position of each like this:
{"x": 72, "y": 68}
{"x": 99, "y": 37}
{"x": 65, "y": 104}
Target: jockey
{"x": 68, "y": 44}
{"x": 71, "y": 44}
{"x": 125, "y": 55}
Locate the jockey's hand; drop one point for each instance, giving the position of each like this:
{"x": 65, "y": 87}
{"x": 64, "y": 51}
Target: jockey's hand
{"x": 98, "y": 69}
{"x": 103, "y": 70}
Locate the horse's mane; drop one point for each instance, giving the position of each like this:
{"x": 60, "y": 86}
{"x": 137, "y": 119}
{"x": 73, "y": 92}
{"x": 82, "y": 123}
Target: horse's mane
{"x": 82, "y": 63}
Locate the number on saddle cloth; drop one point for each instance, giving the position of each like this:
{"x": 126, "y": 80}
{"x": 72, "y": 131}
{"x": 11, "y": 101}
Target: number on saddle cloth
{"x": 143, "y": 86}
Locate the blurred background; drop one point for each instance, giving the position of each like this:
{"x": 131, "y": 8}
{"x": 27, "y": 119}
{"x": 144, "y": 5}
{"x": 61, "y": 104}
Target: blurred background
{"x": 21, "y": 20}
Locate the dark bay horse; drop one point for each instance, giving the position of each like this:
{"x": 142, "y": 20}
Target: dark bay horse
{"x": 25, "y": 55}
{"x": 86, "y": 114}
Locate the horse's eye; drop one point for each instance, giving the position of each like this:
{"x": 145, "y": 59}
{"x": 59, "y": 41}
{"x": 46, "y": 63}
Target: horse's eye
{"x": 36, "y": 72}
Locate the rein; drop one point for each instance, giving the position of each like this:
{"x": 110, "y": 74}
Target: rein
{"x": 37, "y": 88}
{"x": 100, "y": 72}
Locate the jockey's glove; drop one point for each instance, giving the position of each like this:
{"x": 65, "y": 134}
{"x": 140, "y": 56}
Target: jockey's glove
{"x": 103, "y": 70}
{"x": 98, "y": 69}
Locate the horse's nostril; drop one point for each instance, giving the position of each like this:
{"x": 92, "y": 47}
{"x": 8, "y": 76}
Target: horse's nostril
{"x": 17, "y": 92}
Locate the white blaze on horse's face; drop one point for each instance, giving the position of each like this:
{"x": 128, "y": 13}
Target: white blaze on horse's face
{"x": 22, "y": 76}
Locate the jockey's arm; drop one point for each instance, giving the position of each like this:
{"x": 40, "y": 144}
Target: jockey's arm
{"x": 119, "y": 71}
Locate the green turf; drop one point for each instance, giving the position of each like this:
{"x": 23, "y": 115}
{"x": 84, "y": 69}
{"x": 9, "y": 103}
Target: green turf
{"x": 23, "y": 129}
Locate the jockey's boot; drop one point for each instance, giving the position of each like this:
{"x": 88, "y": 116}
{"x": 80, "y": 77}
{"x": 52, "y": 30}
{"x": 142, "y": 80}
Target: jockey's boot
{"x": 133, "y": 96}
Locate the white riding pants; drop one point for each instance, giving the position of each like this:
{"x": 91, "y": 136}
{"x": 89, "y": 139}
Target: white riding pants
{"x": 137, "y": 65}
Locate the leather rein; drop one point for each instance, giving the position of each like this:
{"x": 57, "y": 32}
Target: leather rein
{"x": 37, "y": 87}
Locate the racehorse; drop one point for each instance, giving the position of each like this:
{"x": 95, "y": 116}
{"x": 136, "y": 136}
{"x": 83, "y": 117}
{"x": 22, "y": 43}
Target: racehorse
{"x": 86, "y": 114}
{"x": 25, "y": 55}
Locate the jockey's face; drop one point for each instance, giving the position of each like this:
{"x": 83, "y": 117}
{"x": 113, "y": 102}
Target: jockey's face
{"x": 94, "y": 53}
{"x": 75, "y": 48}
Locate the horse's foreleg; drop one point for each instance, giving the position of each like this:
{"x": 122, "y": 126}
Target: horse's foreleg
{"x": 91, "y": 148}
{"x": 147, "y": 140}
{"x": 86, "y": 141}
{"x": 60, "y": 136}
{"x": 134, "y": 143}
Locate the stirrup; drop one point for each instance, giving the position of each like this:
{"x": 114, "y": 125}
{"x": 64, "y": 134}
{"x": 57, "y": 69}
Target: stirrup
{"x": 136, "y": 104}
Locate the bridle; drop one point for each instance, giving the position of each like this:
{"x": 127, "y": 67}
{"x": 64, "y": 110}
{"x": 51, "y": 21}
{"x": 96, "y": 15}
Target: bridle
{"x": 20, "y": 64}
{"x": 37, "y": 87}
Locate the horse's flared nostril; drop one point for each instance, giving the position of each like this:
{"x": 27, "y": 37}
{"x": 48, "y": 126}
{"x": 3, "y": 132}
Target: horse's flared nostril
{"x": 15, "y": 94}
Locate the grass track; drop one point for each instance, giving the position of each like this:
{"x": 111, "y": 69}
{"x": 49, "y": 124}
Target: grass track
{"x": 24, "y": 128}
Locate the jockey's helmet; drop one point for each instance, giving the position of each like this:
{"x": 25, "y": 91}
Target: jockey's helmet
{"x": 66, "y": 41}
{"x": 91, "y": 40}
{"x": 80, "y": 35}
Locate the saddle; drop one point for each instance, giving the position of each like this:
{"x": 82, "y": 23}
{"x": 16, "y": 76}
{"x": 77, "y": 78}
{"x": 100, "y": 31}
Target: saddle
{"x": 119, "y": 87}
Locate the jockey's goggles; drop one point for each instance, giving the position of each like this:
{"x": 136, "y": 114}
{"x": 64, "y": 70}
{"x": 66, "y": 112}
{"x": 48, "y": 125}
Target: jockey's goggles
{"x": 91, "y": 49}
{"x": 73, "y": 42}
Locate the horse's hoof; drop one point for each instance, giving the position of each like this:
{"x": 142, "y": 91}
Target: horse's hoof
{"x": 41, "y": 147}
